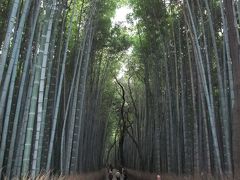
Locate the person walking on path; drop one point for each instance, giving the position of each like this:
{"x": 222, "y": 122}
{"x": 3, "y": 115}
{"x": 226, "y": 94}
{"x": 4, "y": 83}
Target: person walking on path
{"x": 124, "y": 173}
{"x": 118, "y": 175}
{"x": 110, "y": 175}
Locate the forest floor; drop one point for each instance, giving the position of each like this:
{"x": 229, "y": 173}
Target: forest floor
{"x": 136, "y": 175}
{"x": 131, "y": 174}
{"x": 99, "y": 175}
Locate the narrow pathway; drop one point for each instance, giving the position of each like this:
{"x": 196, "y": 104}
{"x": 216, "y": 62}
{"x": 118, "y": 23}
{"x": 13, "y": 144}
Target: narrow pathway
{"x": 114, "y": 177}
{"x": 139, "y": 175}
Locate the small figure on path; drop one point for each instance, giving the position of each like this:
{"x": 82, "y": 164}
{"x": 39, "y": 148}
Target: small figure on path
{"x": 118, "y": 175}
{"x": 124, "y": 173}
{"x": 110, "y": 175}
{"x": 123, "y": 169}
{"x": 158, "y": 177}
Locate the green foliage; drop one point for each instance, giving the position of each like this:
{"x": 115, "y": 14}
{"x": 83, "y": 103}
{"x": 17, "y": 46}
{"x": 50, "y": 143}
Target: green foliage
{"x": 119, "y": 40}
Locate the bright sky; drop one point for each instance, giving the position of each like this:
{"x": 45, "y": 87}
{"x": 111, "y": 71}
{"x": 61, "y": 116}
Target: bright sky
{"x": 122, "y": 71}
{"x": 121, "y": 15}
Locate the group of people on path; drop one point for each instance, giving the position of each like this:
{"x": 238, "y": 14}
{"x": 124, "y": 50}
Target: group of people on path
{"x": 120, "y": 173}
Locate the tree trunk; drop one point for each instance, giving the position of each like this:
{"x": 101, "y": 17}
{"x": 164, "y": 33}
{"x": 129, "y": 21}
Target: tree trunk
{"x": 235, "y": 56}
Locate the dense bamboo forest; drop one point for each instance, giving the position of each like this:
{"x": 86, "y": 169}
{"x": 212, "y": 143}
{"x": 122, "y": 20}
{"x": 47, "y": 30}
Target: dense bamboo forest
{"x": 157, "y": 91}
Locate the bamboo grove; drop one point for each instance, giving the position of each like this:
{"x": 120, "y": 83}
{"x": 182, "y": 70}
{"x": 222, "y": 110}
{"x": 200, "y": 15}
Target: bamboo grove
{"x": 63, "y": 108}
{"x": 54, "y": 65}
{"x": 186, "y": 118}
